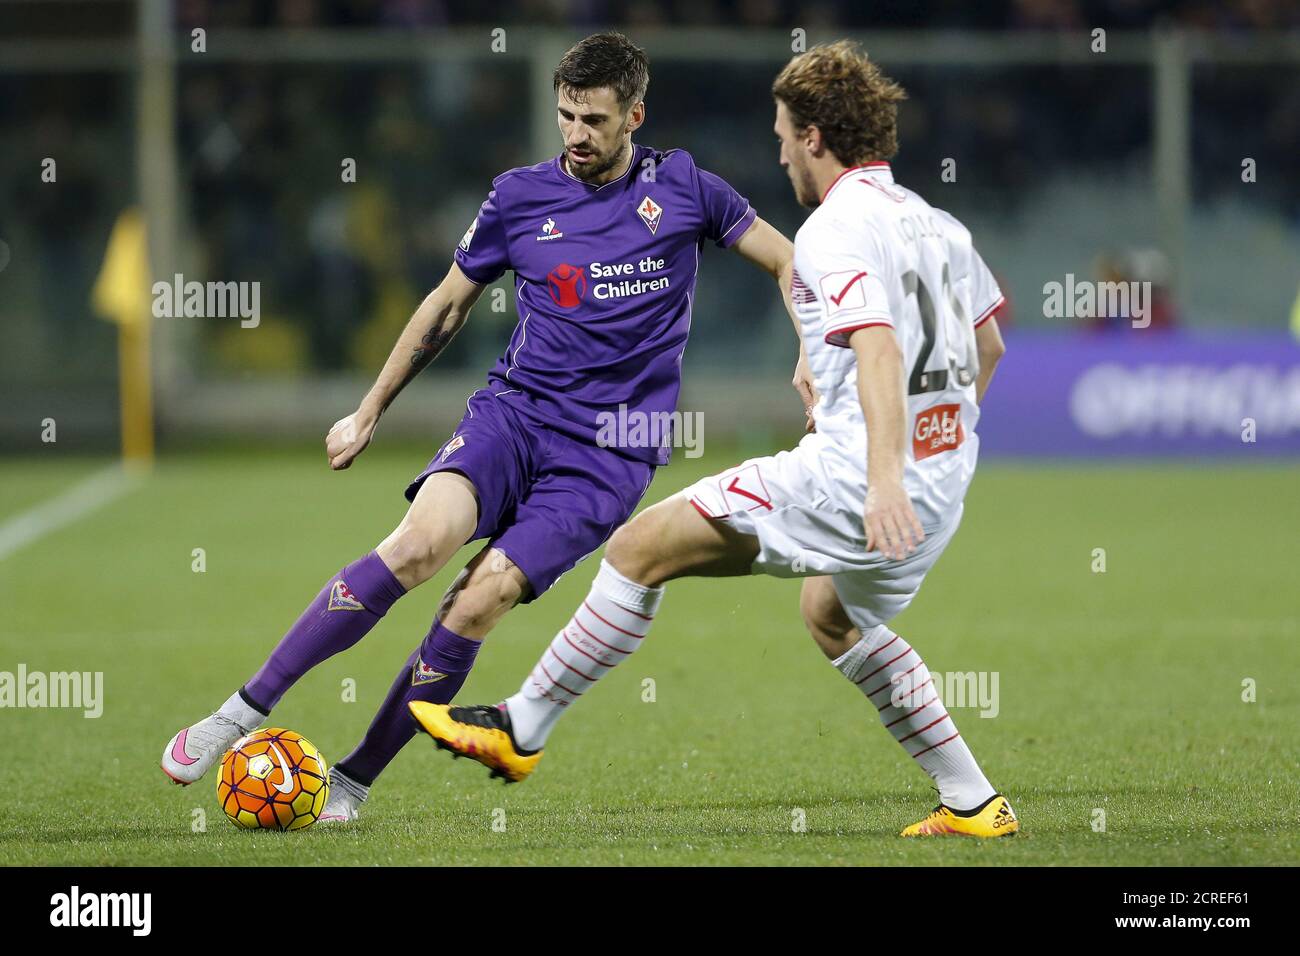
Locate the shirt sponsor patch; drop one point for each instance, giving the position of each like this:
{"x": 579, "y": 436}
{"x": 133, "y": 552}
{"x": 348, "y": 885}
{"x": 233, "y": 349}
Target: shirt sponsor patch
{"x": 937, "y": 430}
{"x": 567, "y": 285}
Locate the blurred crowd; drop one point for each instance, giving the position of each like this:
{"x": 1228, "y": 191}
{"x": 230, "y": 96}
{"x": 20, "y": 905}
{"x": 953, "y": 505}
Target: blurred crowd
{"x": 343, "y": 264}
{"x": 986, "y": 14}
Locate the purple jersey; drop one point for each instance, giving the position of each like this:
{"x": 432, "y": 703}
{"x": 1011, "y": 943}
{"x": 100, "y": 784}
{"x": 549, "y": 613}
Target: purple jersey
{"x": 604, "y": 277}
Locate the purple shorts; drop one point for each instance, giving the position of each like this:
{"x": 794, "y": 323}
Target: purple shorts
{"x": 545, "y": 500}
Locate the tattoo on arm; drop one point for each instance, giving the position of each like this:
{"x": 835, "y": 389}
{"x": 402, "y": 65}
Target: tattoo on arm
{"x": 433, "y": 342}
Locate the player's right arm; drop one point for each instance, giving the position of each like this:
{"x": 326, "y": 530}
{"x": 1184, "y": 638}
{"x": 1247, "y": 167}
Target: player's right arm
{"x": 891, "y": 523}
{"x": 990, "y": 348}
{"x": 433, "y": 325}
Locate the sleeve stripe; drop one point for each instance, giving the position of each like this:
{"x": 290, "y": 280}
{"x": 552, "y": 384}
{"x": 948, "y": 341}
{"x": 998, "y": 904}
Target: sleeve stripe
{"x": 848, "y": 330}
{"x": 988, "y": 313}
{"x": 700, "y": 508}
{"x": 749, "y": 210}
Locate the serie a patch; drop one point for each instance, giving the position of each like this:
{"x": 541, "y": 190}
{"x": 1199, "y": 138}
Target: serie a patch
{"x": 342, "y": 599}
{"x": 452, "y": 445}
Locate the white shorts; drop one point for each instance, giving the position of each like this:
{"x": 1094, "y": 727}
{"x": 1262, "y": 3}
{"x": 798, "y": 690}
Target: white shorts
{"x": 804, "y": 529}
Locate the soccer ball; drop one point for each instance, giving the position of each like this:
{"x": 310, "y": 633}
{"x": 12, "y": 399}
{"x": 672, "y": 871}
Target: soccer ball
{"x": 273, "y": 779}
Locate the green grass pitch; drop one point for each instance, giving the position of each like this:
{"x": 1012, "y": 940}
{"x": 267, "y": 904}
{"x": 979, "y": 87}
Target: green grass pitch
{"x": 1119, "y": 691}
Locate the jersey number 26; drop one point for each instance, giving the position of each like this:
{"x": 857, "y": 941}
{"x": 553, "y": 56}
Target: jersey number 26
{"x": 958, "y": 345}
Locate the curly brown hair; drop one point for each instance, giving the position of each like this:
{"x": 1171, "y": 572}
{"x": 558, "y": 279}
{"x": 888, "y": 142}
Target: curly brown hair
{"x": 837, "y": 89}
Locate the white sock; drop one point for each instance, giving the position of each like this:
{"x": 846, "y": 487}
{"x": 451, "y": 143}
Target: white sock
{"x": 240, "y": 714}
{"x": 604, "y": 630}
{"x": 894, "y": 678}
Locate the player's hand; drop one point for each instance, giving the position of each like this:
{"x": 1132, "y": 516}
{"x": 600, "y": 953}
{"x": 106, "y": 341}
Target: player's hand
{"x": 892, "y": 525}
{"x": 803, "y": 384}
{"x": 349, "y": 438}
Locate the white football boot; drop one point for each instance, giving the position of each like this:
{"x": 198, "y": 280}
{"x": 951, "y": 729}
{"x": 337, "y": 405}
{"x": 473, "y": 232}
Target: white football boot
{"x": 193, "y": 751}
{"x": 346, "y": 797}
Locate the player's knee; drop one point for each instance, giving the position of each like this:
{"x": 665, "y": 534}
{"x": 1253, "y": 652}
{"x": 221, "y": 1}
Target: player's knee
{"x": 436, "y": 525}
{"x": 823, "y": 615}
{"x": 630, "y": 551}
{"x": 411, "y": 556}
{"x": 483, "y": 599}
{"x": 812, "y": 610}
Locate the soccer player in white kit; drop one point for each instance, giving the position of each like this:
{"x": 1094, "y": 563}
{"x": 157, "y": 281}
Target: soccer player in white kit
{"x": 894, "y": 310}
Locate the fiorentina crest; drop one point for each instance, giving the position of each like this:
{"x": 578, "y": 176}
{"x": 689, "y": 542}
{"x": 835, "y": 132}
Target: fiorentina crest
{"x": 342, "y": 599}
{"x": 650, "y": 213}
{"x": 421, "y": 673}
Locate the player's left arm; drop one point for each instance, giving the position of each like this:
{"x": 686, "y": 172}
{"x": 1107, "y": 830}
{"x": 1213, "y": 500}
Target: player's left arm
{"x": 772, "y": 252}
{"x": 765, "y": 247}
{"x": 891, "y": 522}
{"x": 990, "y": 348}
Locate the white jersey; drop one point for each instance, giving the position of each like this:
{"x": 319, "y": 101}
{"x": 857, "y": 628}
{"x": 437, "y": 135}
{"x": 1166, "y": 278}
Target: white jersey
{"x": 876, "y": 253}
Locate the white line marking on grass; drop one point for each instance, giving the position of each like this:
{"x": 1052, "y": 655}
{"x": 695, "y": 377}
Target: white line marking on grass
{"x": 62, "y": 510}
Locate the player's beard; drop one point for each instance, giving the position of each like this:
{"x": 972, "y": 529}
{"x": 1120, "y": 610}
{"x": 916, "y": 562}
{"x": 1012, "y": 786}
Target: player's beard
{"x": 805, "y": 190}
{"x": 600, "y": 166}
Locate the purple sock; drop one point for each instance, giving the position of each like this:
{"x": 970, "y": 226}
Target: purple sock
{"x": 343, "y": 613}
{"x": 435, "y": 672}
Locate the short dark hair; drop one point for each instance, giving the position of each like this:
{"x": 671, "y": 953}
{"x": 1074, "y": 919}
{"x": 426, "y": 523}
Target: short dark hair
{"x": 605, "y": 59}
{"x": 837, "y": 89}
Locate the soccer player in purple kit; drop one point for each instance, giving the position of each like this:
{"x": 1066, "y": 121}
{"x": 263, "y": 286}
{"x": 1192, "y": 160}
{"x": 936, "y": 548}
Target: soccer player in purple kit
{"x": 604, "y": 241}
